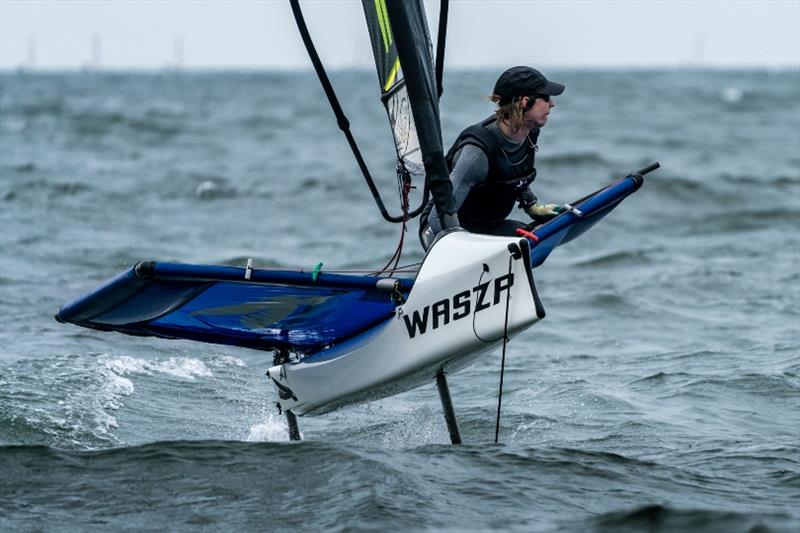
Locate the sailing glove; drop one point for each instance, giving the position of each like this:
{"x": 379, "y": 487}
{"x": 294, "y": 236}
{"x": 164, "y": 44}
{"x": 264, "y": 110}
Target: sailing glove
{"x": 545, "y": 210}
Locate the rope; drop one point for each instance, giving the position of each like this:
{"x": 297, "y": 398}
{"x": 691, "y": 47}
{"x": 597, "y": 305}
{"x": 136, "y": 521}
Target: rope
{"x": 404, "y": 188}
{"x": 503, "y": 360}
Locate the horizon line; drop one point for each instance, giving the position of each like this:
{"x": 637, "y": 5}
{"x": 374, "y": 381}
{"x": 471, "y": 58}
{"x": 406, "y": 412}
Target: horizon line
{"x": 309, "y": 69}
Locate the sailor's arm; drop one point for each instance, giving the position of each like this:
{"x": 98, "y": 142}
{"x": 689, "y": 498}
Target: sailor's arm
{"x": 471, "y": 168}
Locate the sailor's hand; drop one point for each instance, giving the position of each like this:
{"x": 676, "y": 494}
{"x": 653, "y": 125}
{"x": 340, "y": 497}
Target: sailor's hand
{"x": 545, "y": 210}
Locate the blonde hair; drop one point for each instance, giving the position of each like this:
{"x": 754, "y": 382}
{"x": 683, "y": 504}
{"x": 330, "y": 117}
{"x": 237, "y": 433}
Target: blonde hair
{"x": 510, "y": 113}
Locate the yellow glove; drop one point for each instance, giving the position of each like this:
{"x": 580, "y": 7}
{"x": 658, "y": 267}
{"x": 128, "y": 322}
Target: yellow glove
{"x": 546, "y": 210}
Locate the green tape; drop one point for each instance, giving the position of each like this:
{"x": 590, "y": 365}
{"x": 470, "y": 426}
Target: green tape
{"x": 317, "y": 270}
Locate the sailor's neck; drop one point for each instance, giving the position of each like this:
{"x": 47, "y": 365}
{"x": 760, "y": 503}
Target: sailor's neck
{"x": 515, "y": 137}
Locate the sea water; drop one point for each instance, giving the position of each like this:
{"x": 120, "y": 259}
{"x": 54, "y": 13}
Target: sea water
{"x": 661, "y": 391}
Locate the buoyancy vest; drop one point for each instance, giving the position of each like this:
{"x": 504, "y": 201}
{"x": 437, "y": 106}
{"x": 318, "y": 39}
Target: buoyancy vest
{"x": 490, "y": 202}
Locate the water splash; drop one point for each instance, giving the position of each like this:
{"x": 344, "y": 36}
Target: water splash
{"x": 272, "y": 429}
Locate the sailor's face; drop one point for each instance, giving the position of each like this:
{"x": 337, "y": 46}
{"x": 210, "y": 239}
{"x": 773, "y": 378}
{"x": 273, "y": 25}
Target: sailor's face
{"x": 537, "y": 115}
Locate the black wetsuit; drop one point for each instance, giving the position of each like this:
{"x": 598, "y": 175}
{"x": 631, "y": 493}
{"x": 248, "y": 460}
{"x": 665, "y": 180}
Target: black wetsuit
{"x": 489, "y": 175}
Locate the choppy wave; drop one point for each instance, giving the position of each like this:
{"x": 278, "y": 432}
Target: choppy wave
{"x": 776, "y": 386}
{"x": 694, "y": 192}
{"x": 783, "y": 385}
{"x": 213, "y": 187}
{"x": 37, "y": 188}
{"x": 614, "y": 258}
{"x": 574, "y": 159}
{"x": 28, "y": 166}
{"x": 439, "y": 486}
{"x": 181, "y": 367}
{"x": 662, "y": 518}
{"x": 73, "y": 403}
{"x": 70, "y": 405}
{"x": 44, "y": 107}
{"x": 747, "y": 218}
{"x": 780, "y": 180}
{"x": 101, "y": 123}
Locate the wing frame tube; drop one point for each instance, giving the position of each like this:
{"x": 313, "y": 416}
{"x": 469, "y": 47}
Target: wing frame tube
{"x": 568, "y": 225}
{"x": 600, "y": 200}
{"x": 179, "y": 271}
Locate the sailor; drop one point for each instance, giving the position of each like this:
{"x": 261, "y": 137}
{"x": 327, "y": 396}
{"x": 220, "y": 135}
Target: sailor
{"x": 492, "y": 163}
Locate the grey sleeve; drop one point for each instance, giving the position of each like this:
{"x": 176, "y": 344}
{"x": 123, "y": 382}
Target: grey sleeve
{"x": 527, "y": 198}
{"x": 471, "y": 168}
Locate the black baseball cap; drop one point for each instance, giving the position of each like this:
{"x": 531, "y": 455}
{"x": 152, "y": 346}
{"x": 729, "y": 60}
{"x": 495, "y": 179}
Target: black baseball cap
{"x": 524, "y": 81}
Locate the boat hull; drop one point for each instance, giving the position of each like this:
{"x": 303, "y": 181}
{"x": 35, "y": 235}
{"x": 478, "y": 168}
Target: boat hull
{"x": 471, "y": 291}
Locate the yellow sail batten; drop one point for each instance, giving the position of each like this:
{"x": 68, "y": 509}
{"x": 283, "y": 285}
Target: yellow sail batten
{"x": 392, "y": 75}
{"x": 383, "y": 20}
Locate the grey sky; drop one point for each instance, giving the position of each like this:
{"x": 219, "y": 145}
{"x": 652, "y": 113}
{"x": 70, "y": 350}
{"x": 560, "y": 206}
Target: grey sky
{"x": 261, "y": 34}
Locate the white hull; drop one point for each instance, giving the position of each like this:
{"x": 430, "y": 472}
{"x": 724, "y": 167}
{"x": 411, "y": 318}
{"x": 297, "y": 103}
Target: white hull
{"x": 455, "y": 312}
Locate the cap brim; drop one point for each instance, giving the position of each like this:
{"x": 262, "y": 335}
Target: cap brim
{"x": 552, "y": 89}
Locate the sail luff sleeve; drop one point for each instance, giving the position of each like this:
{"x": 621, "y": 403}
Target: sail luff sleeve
{"x": 440, "y": 45}
{"x": 410, "y": 33}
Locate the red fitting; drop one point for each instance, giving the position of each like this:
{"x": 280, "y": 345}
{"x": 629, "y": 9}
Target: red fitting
{"x": 527, "y": 234}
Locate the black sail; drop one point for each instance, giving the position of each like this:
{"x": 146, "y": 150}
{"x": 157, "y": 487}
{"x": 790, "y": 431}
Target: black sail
{"x": 394, "y": 94}
{"x": 403, "y": 54}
